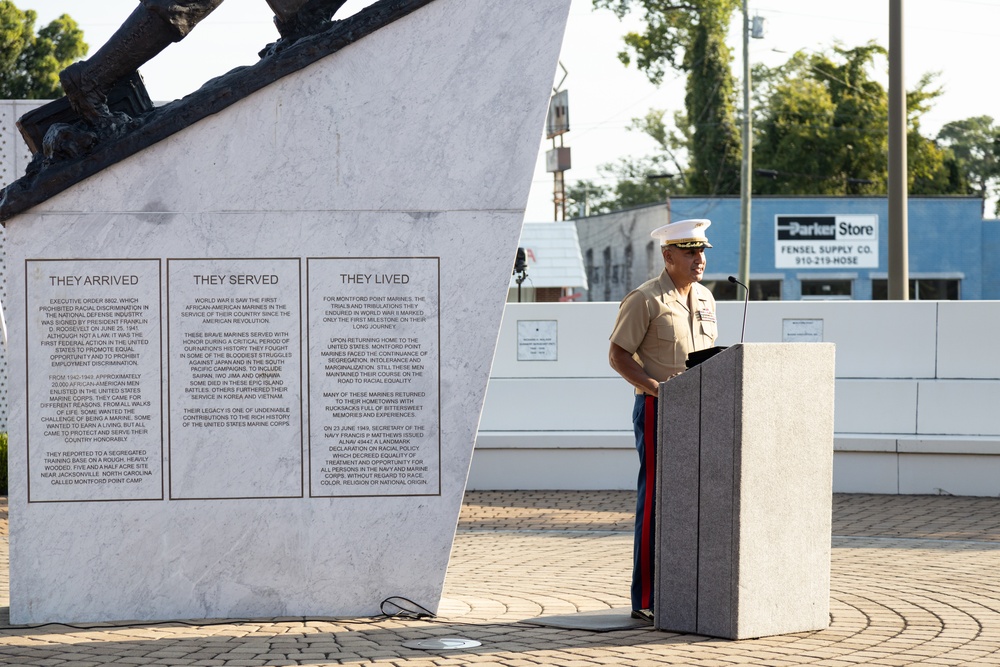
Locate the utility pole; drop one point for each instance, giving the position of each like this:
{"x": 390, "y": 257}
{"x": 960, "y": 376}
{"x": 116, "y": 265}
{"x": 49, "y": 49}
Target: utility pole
{"x": 746, "y": 170}
{"x": 899, "y": 278}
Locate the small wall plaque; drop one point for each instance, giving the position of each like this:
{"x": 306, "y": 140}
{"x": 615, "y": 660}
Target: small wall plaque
{"x": 537, "y": 340}
{"x": 802, "y": 331}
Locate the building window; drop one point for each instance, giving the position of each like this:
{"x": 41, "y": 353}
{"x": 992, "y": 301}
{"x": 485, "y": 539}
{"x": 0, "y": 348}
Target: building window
{"x": 760, "y": 290}
{"x": 588, "y": 259}
{"x": 607, "y": 274}
{"x": 921, "y": 289}
{"x": 652, "y": 269}
{"x": 827, "y": 289}
{"x": 627, "y": 269}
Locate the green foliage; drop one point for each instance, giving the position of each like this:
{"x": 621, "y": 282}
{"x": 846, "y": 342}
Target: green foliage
{"x": 671, "y": 142}
{"x": 691, "y": 36}
{"x": 822, "y": 128}
{"x": 715, "y": 149}
{"x": 637, "y": 182}
{"x": 3, "y": 464}
{"x": 821, "y": 120}
{"x": 823, "y": 123}
{"x": 30, "y": 63}
{"x": 670, "y": 30}
{"x": 588, "y": 198}
{"x": 975, "y": 146}
{"x": 931, "y": 169}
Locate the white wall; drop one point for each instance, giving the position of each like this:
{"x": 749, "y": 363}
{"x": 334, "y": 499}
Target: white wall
{"x": 14, "y": 159}
{"x": 917, "y": 397}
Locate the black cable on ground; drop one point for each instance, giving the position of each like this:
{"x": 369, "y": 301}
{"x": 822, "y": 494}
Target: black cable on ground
{"x": 413, "y": 611}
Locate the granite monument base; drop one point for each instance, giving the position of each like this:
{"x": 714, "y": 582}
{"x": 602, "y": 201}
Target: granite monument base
{"x": 247, "y": 363}
{"x": 744, "y": 493}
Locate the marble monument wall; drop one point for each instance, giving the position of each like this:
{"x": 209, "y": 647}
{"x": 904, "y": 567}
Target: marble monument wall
{"x": 248, "y": 362}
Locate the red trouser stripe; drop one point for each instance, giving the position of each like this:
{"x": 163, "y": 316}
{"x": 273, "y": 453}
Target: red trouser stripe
{"x": 645, "y": 566}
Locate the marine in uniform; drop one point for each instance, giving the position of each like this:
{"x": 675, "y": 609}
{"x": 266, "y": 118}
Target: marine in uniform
{"x": 658, "y": 325}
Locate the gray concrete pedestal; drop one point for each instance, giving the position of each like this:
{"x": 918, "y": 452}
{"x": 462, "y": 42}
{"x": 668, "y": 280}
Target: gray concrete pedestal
{"x": 744, "y": 493}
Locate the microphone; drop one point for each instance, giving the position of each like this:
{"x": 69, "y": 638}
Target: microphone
{"x": 746, "y": 299}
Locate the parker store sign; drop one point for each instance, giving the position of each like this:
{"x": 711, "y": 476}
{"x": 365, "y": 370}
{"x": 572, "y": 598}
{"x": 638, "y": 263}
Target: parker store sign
{"x": 825, "y": 241}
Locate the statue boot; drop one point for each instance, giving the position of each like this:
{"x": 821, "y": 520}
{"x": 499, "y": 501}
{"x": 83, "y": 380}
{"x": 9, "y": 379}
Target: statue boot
{"x": 151, "y": 28}
{"x": 296, "y": 19}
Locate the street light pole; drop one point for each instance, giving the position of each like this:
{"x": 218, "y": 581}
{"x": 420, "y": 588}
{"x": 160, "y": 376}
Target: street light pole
{"x": 747, "y": 166}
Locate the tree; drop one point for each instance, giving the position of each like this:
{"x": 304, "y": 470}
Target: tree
{"x": 821, "y": 120}
{"x": 975, "y": 144}
{"x": 822, "y": 128}
{"x": 795, "y": 135}
{"x": 691, "y": 36}
{"x": 637, "y": 182}
{"x": 30, "y": 63}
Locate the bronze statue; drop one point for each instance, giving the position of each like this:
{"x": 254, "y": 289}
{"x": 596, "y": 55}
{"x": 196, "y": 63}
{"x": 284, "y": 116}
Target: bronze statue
{"x": 107, "y": 115}
{"x": 153, "y": 26}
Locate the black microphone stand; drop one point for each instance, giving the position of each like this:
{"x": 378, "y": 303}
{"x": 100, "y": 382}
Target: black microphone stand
{"x": 746, "y": 300}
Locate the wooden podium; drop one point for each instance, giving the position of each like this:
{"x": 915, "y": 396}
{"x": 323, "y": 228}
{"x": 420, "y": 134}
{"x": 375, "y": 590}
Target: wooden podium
{"x": 744, "y": 493}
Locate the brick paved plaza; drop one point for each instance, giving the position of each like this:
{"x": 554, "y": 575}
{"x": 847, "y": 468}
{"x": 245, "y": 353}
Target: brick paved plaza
{"x": 916, "y": 580}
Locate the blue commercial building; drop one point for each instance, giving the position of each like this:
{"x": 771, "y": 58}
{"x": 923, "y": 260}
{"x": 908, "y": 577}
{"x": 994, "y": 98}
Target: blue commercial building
{"x": 805, "y": 247}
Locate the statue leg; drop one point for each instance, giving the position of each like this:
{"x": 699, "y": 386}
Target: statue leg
{"x": 298, "y": 18}
{"x": 152, "y": 27}
{"x": 284, "y": 10}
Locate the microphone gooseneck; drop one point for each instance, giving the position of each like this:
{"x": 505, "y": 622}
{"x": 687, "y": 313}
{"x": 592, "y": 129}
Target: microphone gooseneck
{"x": 746, "y": 300}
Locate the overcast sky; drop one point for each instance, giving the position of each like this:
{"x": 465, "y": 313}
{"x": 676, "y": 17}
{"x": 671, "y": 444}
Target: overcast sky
{"x": 957, "y": 38}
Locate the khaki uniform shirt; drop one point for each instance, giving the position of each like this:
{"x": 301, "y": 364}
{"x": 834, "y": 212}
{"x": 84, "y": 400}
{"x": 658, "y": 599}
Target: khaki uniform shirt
{"x": 660, "y": 328}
